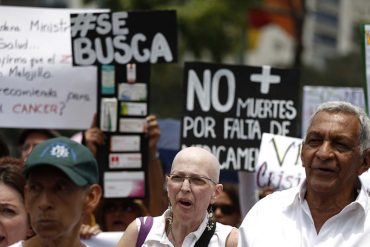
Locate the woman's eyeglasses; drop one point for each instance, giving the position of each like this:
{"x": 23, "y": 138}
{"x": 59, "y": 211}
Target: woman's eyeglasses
{"x": 226, "y": 209}
{"x": 194, "y": 180}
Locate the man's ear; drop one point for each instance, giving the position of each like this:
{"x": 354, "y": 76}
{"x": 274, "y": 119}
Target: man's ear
{"x": 93, "y": 197}
{"x": 365, "y": 163}
{"x": 300, "y": 153}
{"x": 30, "y": 233}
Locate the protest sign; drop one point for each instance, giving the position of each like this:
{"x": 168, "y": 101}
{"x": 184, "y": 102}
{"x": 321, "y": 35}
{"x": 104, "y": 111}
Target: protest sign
{"x": 279, "y": 164}
{"x": 124, "y": 37}
{"x": 123, "y": 105}
{"x": 123, "y": 45}
{"x": 228, "y": 107}
{"x": 313, "y": 96}
{"x": 366, "y": 55}
{"x": 39, "y": 87}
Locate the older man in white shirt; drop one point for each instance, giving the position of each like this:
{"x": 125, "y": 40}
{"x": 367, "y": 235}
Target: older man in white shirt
{"x": 331, "y": 207}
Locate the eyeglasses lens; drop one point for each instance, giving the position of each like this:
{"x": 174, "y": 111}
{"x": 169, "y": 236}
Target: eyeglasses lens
{"x": 197, "y": 181}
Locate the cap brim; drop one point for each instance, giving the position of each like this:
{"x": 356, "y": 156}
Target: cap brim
{"x": 75, "y": 178}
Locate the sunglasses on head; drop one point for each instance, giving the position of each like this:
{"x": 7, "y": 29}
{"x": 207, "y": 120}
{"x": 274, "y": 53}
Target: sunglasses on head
{"x": 226, "y": 209}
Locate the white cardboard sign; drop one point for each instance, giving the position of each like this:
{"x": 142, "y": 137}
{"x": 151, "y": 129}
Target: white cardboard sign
{"x": 39, "y": 87}
{"x": 313, "y": 96}
{"x": 279, "y": 164}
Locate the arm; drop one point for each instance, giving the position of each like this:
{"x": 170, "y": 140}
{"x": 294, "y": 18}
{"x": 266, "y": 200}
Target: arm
{"x": 87, "y": 231}
{"x": 129, "y": 237}
{"x": 158, "y": 201}
{"x": 232, "y": 239}
{"x": 93, "y": 136}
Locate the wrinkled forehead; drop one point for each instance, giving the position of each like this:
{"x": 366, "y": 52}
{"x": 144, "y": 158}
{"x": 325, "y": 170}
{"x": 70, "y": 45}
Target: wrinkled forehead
{"x": 324, "y": 119}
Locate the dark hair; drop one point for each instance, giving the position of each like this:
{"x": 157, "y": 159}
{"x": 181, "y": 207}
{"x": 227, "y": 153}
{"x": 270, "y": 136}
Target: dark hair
{"x": 4, "y": 150}
{"x": 11, "y": 175}
{"x": 106, "y": 203}
{"x": 11, "y": 160}
{"x": 232, "y": 191}
{"x": 47, "y": 132}
{"x": 346, "y": 107}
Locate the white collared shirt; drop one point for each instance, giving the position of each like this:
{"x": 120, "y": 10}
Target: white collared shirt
{"x": 157, "y": 236}
{"x": 284, "y": 219}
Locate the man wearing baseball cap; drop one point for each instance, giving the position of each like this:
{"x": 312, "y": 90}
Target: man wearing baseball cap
{"x": 61, "y": 188}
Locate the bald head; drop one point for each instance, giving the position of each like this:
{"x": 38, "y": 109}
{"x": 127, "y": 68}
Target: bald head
{"x": 197, "y": 159}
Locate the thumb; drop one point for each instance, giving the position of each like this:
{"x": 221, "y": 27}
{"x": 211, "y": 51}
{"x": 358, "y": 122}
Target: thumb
{"x": 94, "y": 121}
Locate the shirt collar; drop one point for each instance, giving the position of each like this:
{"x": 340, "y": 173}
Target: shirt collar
{"x": 361, "y": 200}
{"x": 302, "y": 192}
{"x": 161, "y": 236}
{"x": 201, "y": 228}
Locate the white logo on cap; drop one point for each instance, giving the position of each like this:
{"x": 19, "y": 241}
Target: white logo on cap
{"x": 60, "y": 151}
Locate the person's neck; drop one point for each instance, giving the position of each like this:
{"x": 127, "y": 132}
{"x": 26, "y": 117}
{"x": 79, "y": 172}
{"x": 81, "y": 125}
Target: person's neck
{"x": 323, "y": 206}
{"x": 39, "y": 242}
{"x": 179, "y": 231}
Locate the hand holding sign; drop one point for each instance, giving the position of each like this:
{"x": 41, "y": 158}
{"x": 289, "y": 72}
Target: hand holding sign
{"x": 93, "y": 136}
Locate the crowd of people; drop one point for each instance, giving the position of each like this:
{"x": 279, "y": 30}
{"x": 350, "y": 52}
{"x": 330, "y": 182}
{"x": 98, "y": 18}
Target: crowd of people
{"x": 51, "y": 196}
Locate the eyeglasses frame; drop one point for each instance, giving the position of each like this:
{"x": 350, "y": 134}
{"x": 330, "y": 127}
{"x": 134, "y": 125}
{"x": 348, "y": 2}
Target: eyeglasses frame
{"x": 189, "y": 177}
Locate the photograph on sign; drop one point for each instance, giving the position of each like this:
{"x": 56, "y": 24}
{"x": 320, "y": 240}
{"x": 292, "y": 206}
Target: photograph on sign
{"x": 132, "y": 125}
{"x": 124, "y": 184}
{"x": 107, "y": 79}
{"x": 108, "y": 117}
{"x": 124, "y": 143}
{"x": 132, "y": 91}
{"x": 133, "y": 109}
{"x": 125, "y": 160}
